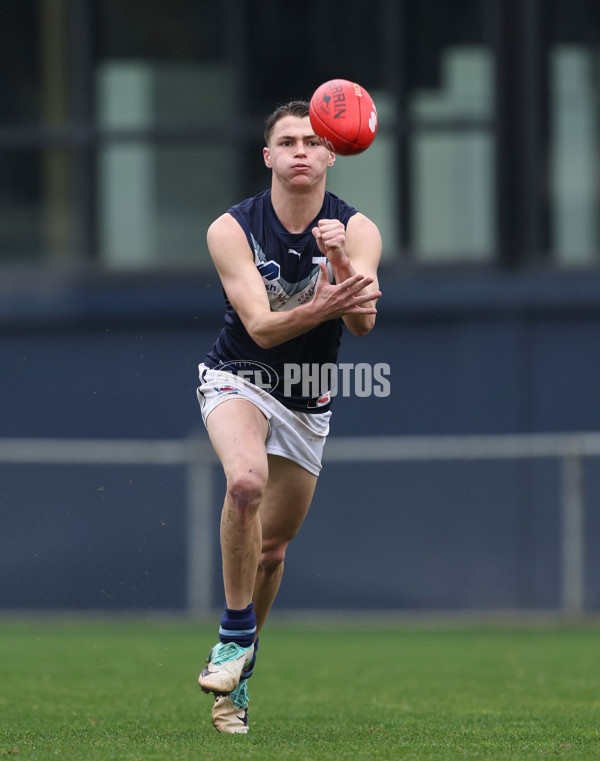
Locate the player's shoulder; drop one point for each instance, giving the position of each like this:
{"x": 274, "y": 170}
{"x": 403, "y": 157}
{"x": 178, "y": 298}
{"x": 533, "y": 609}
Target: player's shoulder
{"x": 224, "y": 230}
{"x": 361, "y": 228}
{"x": 222, "y": 224}
{"x": 360, "y": 220}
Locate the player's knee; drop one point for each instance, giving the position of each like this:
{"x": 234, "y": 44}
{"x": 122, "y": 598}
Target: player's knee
{"x": 272, "y": 558}
{"x": 246, "y": 490}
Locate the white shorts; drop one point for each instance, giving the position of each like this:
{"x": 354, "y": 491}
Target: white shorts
{"x": 297, "y": 436}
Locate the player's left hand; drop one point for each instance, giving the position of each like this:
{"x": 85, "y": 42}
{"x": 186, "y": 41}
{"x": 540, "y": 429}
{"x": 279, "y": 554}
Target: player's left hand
{"x": 330, "y": 235}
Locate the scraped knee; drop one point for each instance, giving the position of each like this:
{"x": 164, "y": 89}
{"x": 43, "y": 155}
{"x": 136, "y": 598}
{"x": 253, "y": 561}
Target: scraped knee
{"x": 246, "y": 490}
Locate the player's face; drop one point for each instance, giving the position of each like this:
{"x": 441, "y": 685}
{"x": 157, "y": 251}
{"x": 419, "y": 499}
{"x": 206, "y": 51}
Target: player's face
{"x": 295, "y": 154}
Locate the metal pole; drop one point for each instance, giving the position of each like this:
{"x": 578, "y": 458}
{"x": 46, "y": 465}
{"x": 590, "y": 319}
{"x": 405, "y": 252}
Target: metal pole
{"x": 572, "y": 536}
{"x": 199, "y": 539}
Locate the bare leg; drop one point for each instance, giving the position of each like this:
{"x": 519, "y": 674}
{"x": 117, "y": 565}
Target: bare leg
{"x": 282, "y": 511}
{"x": 238, "y": 429}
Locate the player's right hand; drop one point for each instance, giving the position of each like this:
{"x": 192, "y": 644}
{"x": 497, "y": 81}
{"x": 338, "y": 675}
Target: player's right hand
{"x": 337, "y": 300}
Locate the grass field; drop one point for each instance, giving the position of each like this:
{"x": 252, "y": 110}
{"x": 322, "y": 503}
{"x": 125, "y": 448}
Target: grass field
{"x": 128, "y": 691}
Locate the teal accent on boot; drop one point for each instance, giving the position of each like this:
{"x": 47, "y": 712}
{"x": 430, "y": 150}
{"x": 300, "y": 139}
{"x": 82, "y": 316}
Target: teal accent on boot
{"x": 240, "y": 695}
{"x": 221, "y": 653}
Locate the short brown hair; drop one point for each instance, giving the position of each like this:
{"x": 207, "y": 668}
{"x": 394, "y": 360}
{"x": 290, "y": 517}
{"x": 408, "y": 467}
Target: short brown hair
{"x": 297, "y": 108}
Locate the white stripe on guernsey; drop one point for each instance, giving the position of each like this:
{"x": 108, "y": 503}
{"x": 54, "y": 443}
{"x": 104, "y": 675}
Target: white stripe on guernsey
{"x": 236, "y": 632}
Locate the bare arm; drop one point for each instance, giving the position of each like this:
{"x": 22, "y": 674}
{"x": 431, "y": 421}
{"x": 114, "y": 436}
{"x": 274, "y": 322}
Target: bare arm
{"x": 354, "y": 249}
{"x": 246, "y": 291}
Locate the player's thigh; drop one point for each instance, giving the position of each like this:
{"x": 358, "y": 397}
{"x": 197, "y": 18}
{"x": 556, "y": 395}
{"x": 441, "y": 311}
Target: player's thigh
{"x": 238, "y": 430}
{"x": 287, "y": 498}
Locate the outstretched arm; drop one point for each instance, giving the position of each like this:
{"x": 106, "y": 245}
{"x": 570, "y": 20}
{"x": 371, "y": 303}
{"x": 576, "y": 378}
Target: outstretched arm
{"x": 246, "y": 291}
{"x": 356, "y": 248}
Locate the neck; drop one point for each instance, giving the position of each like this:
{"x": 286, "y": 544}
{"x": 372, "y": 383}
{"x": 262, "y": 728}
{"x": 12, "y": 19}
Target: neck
{"x": 298, "y": 207}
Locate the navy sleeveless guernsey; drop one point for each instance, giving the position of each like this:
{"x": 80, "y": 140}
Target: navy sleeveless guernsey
{"x": 289, "y": 266}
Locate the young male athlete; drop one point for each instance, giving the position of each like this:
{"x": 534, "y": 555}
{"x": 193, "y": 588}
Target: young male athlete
{"x": 295, "y": 262}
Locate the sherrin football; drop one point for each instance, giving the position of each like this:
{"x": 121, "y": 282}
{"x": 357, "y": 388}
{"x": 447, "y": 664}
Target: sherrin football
{"x": 343, "y": 116}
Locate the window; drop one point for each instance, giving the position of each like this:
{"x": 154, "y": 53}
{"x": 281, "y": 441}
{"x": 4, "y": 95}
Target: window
{"x": 120, "y": 147}
{"x": 574, "y": 86}
{"x": 164, "y": 90}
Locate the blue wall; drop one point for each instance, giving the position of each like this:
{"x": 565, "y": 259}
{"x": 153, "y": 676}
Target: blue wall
{"x": 473, "y": 354}
{"x": 468, "y": 355}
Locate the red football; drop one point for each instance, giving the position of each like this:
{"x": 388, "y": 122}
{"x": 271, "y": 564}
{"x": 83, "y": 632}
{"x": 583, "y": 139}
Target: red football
{"x": 343, "y": 116}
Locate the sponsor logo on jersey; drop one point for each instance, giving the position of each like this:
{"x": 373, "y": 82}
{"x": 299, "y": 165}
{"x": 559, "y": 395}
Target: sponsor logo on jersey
{"x": 269, "y": 270}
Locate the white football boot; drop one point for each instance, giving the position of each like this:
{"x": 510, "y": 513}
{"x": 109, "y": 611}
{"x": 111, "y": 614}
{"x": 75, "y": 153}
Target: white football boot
{"x": 230, "y": 712}
{"x": 224, "y": 668}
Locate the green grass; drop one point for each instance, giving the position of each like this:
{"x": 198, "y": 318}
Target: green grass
{"x": 97, "y": 691}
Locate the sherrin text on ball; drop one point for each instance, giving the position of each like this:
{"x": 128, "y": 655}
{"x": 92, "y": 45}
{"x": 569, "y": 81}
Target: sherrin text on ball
{"x": 343, "y": 116}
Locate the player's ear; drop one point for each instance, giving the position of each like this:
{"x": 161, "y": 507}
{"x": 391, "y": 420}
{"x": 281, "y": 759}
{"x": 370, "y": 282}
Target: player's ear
{"x": 267, "y": 157}
{"x": 331, "y": 158}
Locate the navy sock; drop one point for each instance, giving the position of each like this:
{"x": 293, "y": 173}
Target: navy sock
{"x": 238, "y": 626}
